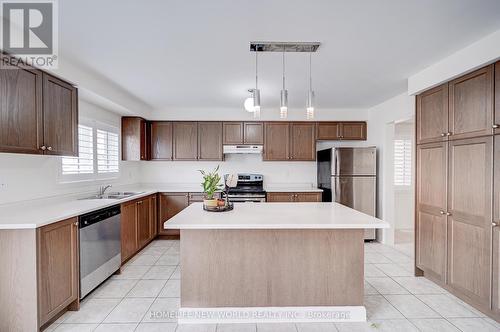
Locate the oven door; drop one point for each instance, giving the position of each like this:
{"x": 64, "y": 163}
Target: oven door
{"x": 247, "y": 198}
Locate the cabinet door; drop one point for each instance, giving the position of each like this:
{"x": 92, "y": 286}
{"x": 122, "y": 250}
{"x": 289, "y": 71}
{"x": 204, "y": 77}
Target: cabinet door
{"x": 210, "y": 141}
{"x": 303, "y": 141}
{"x": 431, "y": 207}
{"x": 253, "y": 133}
{"x": 308, "y": 197}
{"x": 469, "y": 223}
{"x": 153, "y": 217}
{"x": 134, "y": 139}
{"x": 129, "y": 230}
{"x": 143, "y": 207}
{"x": 280, "y": 197}
{"x": 328, "y": 131}
{"x": 496, "y": 230}
{"x": 432, "y": 115}
{"x": 57, "y": 260}
{"x": 170, "y": 205}
{"x": 471, "y": 104}
{"x": 60, "y": 117}
{"x": 185, "y": 140}
{"x": 161, "y": 140}
{"x": 233, "y": 133}
{"x": 497, "y": 98}
{"x": 276, "y": 141}
{"x": 353, "y": 131}
{"x": 21, "y": 110}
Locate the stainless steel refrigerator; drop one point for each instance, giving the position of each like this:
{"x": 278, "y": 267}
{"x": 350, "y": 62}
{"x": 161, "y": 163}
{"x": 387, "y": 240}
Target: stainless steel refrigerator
{"x": 349, "y": 176}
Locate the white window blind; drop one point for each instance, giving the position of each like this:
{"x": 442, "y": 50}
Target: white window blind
{"x": 84, "y": 163}
{"x": 107, "y": 152}
{"x": 402, "y": 162}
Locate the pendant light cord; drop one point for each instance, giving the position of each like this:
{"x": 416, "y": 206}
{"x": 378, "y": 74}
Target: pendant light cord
{"x": 310, "y": 70}
{"x": 256, "y": 64}
{"x": 283, "y": 67}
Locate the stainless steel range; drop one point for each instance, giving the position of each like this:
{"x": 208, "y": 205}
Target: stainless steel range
{"x": 249, "y": 188}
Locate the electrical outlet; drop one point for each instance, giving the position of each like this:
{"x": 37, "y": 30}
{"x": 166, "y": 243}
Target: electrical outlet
{"x": 3, "y": 186}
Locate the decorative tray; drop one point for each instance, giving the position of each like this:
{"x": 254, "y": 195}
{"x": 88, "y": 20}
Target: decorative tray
{"x": 224, "y": 208}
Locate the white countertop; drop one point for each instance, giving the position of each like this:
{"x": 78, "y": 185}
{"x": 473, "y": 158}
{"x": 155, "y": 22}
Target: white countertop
{"x": 275, "y": 216}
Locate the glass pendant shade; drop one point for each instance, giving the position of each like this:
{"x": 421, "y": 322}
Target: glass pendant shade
{"x": 256, "y": 103}
{"x": 284, "y": 104}
{"x": 310, "y": 105}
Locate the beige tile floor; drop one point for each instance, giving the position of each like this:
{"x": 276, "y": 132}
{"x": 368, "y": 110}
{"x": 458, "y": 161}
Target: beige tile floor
{"x": 394, "y": 299}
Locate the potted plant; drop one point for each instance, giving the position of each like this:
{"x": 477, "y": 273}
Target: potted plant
{"x": 211, "y": 183}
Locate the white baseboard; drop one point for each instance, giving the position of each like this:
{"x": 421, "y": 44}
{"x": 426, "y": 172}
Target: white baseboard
{"x": 271, "y": 315}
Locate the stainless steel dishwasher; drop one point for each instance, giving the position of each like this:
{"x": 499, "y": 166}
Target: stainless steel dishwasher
{"x": 100, "y": 247}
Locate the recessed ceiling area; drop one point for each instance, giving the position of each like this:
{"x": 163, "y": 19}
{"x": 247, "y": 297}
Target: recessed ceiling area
{"x": 192, "y": 54}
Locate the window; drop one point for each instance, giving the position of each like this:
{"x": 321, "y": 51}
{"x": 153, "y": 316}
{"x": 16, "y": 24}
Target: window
{"x": 402, "y": 162}
{"x": 84, "y": 163}
{"x": 98, "y": 155}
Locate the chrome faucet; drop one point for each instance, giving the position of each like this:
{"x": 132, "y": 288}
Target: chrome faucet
{"x": 102, "y": 189}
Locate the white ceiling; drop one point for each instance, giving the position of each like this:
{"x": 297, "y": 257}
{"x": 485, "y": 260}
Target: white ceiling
{"x": 179, "y": 54}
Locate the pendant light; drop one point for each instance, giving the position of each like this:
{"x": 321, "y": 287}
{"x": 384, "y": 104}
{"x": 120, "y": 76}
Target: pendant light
{"x": 256, "y": 91}
{"x": 310, "y": 94}
{"x": 284, "y": 93}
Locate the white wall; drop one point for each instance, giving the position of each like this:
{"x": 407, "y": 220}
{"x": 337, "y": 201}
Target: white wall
{"x": 382, "y": 119}
{"x": 25, "y": 177}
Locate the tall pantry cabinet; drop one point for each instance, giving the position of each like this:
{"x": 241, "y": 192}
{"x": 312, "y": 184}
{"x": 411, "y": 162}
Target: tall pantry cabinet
{"x": 458, "y": 188}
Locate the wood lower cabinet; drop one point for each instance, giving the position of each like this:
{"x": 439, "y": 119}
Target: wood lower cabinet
{"x": 471, "y": 104}
{"x": 185, "y": 138}
{"x": 135, "y": 145}
{"x": 432, "y": 115}
{"x": 302, "y": 141}
{"x": 153, "y": 216}
{"x": 210, "y": 141}
{"x": 170, "y": 205}
{"x": 60, "y": 117}
{"x": 38, "y": 113}
{"x": 287, "y": 197}
{"x": 470, "y": 188}
{"x": 496, "y": 125}
{"x": 431, "y": 207}
{"x": 495, "y": 296}
{"x": 129, "y": 230}
{"x": 161, "y": 140}
{"x": 21, "y": 110}
{"x": 58, "y": 265}
{"x": 143, "y": 207}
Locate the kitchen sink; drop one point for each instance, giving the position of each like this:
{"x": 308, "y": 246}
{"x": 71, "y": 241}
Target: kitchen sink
{"x": 115, "y": 195}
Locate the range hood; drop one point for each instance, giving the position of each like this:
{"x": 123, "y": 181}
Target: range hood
{"x": 248, "y": 149}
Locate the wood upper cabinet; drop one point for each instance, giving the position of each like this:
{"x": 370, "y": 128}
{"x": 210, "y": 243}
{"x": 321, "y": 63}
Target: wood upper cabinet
{"x": 38, "y": 113}
{"x": 135, "y": 143}
{"x": 143, "y": 220}
{"x": 210, "y": 141}
{"x": 303, "y": 141}
{"x": 58, "y": 265}
{"x": 276, "y": 141}
{"x": 353, "y": 131}
{"x": 60, "y": 117}
{"x": 21, "y": 110}
{"x": 328, "y": 131}
{"x": 430, "y": 209}
{"x": 470, "y": 189}
{"x": 243, "y": 133}
{"x": 170, "y": 205}
{"x": 432, "y": 115}
{"x": 497, "y": 98}
{"x": 161, "y": 140}
{"x": 129, "y": 230}
{"x": 285, "y": 197}
{"x": 233, "y": 133}
{"x": 185, "y": 138}
{"x": 496, "y": 229}
{"x": 253, "y": 133}
{"x": 471, "y": 104}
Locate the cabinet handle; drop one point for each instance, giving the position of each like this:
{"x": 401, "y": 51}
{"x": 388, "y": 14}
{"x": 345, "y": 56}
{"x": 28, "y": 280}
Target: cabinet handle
{"x": 496, "y": 126}
{"x": 448, "y": 134}
{"x": 442, "y": 212}
{"x": 495, "y": 224}
{"x": 443, "y": 134}
{"x": 448, "y": 214}
{"x": 49, "y": 148}
{"x": 75, "y": 223}
{"x": 43, "y": 148}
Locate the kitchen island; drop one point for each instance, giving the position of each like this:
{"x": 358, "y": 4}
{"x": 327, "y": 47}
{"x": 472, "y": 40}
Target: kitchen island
{"x": 272, "y": 262}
